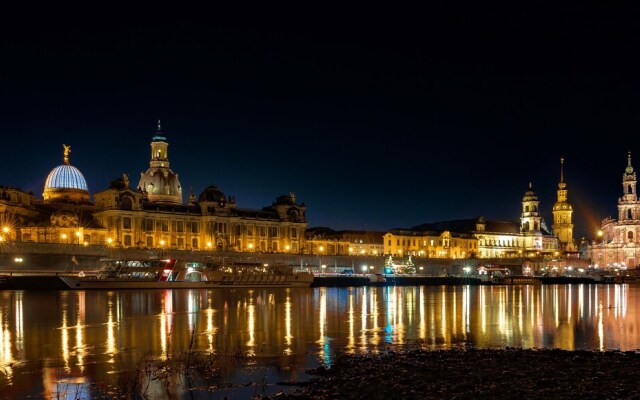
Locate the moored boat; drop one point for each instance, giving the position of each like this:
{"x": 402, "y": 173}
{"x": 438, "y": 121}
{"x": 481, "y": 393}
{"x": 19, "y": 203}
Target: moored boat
{"x": 515, "y": 280}
{"x": 177, "y": 274}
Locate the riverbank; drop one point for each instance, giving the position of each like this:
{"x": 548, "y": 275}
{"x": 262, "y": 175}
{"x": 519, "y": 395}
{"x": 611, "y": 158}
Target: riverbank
{"x": 477, "y": 374}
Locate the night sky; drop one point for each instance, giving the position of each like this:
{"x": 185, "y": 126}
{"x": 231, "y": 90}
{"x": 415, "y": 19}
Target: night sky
{"x": 375, "y": 117}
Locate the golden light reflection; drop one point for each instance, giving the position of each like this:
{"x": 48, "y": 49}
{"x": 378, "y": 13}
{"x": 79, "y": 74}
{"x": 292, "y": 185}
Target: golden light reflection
{"x": 351, "y": 335}
{"x": 422, "y": 332}
{"x": 314, "y": 322}
{"x": 19, "y": 321}
{"x": 6, "y": 356}
{"x": 166, "y": 322}
{"x": 363, "y": 320}
{"x": 483, "y": 311}
{"x": 251, "y": 326}
{"x": 322, "y": 325}
{"x": 399, "y": 323}
{"x": 287, "y": 323}
{"x": 521, "y": 309}
{"x": 111, "y": 335}
{"x": 80, "y": 318}
{"x": 192, "y": 308}
{"x": 556, "y": 305}
{"x": 467, "y": 310}
{"x": 65, "y": 338}
{"x": 443, "y": 314}
{"x": 502, "y": 312}
{"x": 600, "y": 329}
{"x": 581, "y": 301}
{"x": 374, "y": 311}
{"x": 454, "y": 316}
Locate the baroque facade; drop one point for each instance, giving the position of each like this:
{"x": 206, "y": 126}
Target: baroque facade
{"x": 321, "y": 240}
{"x": 477, "y": 238}
{"x": 150, "y": 215}
{"x": 618, "y": 246}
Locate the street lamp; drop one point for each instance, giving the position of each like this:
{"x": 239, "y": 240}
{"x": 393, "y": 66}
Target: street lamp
{"x": 287, "y": 247}
{"x": 600, "y": 233}
{"x": 250, "y": 246}
{"x": 63, "y": 236}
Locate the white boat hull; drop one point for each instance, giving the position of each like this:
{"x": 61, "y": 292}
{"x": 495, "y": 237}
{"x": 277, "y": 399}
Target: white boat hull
{"x": 293, "y": 281}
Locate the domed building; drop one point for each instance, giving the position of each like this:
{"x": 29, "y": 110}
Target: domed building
{"x": 159, "y": 182}
{"x": 65, "y": 183}
{"x": 151, "y": 215}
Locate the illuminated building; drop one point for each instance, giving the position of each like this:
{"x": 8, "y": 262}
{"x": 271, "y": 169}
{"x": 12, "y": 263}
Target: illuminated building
{"x": 562, "y": 223}
{"x": 321, "y": 240}
{"x": 618, "y": 246}
{"x": 479, "y": 238}
{"x": 151, "y": 215}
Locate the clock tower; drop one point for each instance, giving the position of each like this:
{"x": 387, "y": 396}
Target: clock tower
{"x": 562, "y": 210}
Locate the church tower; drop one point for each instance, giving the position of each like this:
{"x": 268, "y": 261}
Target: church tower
{"x": 530, "y": 220}
{"x": 159, "y": 182}
{"x": 628, "y": 204}
{"x": 562, "y": 210}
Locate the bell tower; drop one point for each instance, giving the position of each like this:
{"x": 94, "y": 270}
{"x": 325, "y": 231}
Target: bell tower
{"x": 159, "y": 150}
{"x": 628, "y": 203}
{"x": 530, "y": 219}
{"x": 562, "y": 211}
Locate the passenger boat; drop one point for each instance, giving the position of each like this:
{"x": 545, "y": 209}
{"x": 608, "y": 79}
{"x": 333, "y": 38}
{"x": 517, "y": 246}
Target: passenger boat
{"x": 176, "y": 274}
{"x": 515, "y": 280}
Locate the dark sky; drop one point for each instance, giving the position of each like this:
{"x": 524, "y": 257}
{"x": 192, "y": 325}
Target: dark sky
{"x": 375, "y": 117}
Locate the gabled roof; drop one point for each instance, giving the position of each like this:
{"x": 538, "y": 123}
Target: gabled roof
{"x": 469, "y": 225}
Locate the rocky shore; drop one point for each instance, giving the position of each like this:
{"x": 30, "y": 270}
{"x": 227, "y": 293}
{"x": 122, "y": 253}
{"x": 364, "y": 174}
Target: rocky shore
{"x": 509, "y": 373}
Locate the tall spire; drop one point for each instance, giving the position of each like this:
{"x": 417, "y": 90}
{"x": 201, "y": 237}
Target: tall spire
{"x": 159, "y": 136}
{"x": 629, "y": 169}
{"x": 561, "y": 169}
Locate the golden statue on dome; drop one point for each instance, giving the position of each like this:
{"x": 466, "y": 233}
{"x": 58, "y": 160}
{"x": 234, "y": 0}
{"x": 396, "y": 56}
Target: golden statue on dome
{"x": 67, "y": 150}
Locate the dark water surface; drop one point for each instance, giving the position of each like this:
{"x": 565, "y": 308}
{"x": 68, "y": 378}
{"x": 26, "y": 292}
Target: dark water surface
{"x": 67, "y": 344}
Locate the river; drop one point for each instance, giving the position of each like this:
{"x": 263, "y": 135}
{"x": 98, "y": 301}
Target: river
{"x": 87, "y": 344}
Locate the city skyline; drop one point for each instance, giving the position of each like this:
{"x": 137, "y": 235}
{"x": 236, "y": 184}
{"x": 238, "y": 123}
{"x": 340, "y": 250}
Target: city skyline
{"x": 375, "y": 118}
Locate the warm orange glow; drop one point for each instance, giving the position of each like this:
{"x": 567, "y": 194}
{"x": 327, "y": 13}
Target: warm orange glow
{"x": 162, "y": 242}
{"x": 5, "y": 229}
{"x": 63, "y": 236}
{"x": 109, "y": 240}
{"x": 209, "y": 244}
{"x": 287, "y": 247}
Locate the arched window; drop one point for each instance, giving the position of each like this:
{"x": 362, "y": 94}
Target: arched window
{"x": 630, "y": 236}
{"x": 629, "y": 191}
{"x": 536, "y": 227}
{"x": 526, "y": 208}
{"x": 629, "y": 215}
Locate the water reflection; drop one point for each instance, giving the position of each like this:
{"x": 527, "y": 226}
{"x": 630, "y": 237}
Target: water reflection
{"x": 52, "y": 342}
